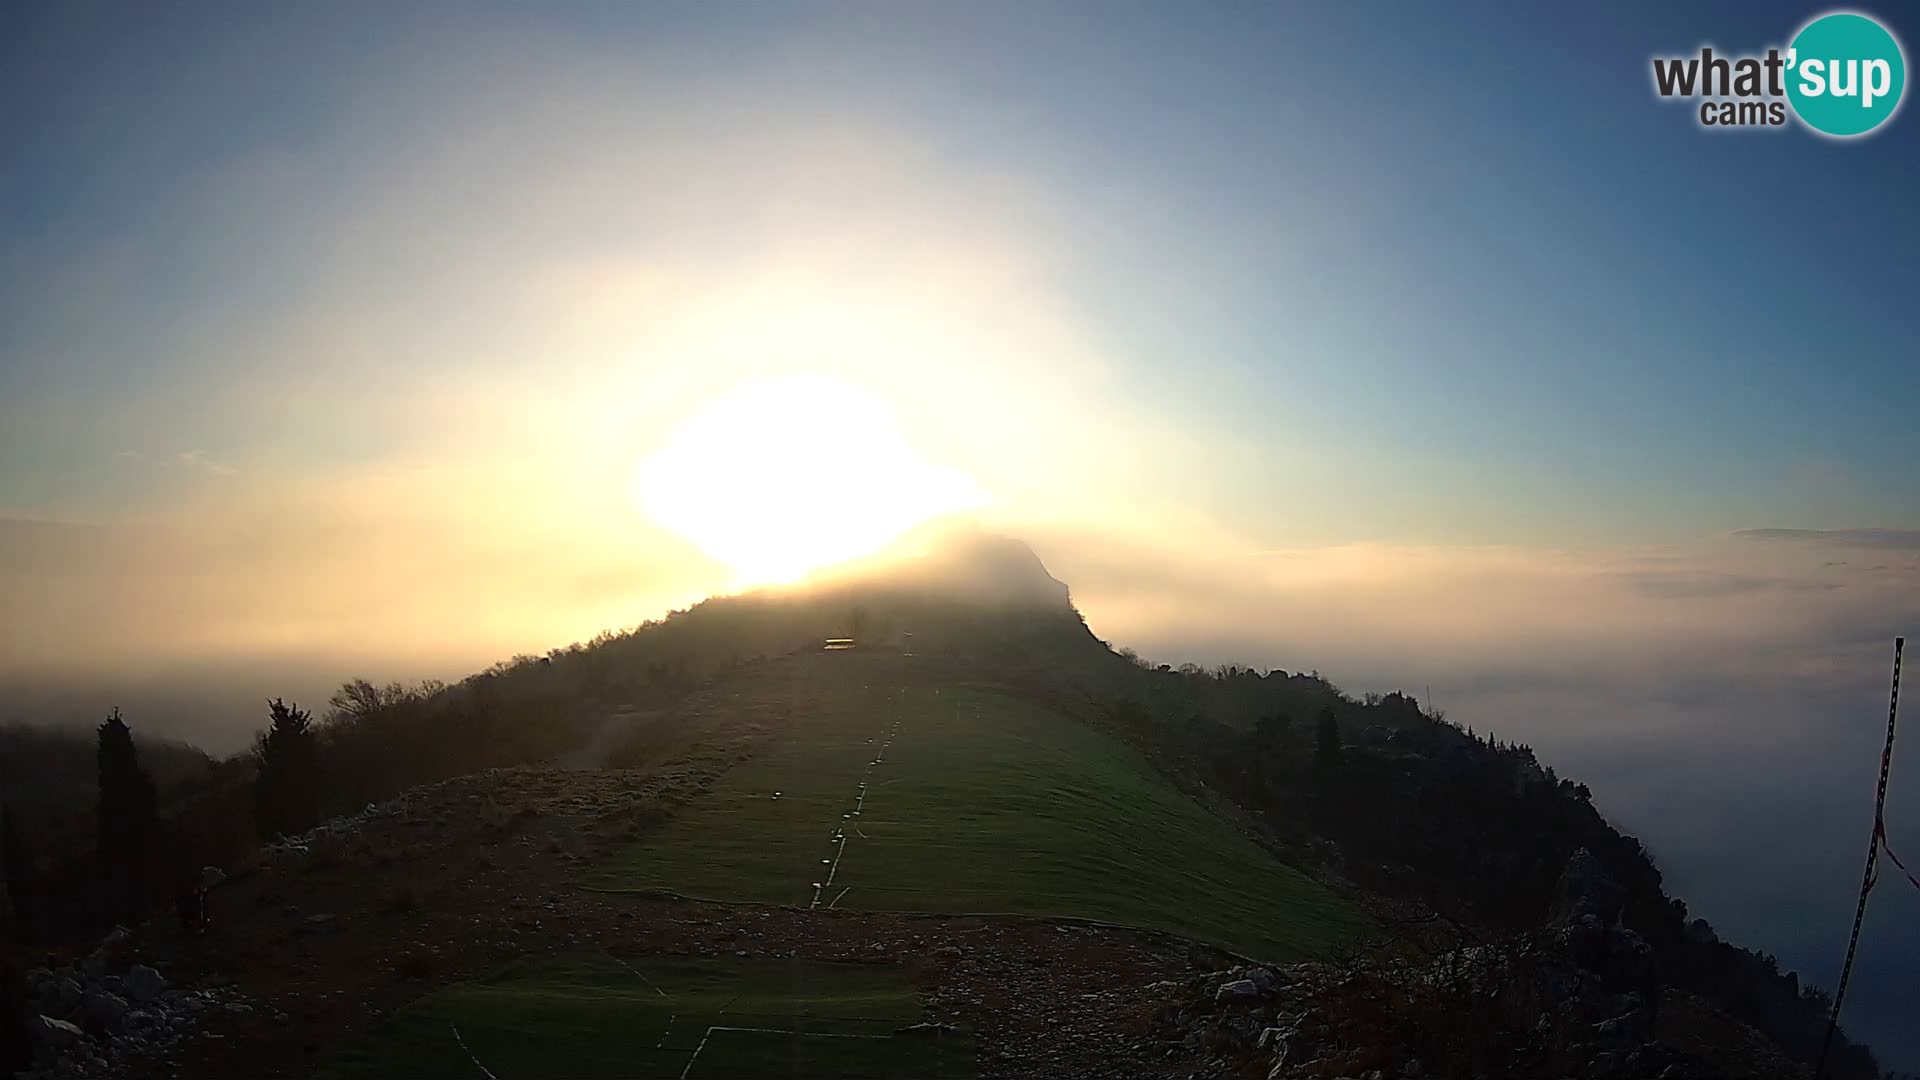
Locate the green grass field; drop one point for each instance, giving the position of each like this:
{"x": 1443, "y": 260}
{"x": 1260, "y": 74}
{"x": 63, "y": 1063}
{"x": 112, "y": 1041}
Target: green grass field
{"x": 593, "y": 1016}
{"x": 979, "y": 804}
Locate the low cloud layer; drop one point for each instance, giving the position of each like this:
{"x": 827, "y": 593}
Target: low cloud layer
{"x": 1725, "y": 700}
{"x": 1705, "y": 615}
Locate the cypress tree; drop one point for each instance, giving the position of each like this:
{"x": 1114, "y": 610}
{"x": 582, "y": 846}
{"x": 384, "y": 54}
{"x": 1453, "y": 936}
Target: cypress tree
{"x": 16, "y": 872}
{"x": 127, "y": 817}
{"x": 287, "y": 792}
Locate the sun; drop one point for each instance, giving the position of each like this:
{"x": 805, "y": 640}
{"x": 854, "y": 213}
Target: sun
{"x": 782, "y": 476}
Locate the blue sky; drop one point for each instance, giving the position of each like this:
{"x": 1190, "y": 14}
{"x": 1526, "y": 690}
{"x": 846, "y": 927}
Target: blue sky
{"x": 1415, "y": 343}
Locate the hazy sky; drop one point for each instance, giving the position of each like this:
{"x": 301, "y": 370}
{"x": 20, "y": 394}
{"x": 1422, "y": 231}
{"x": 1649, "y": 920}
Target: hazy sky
{"x": 1374, "y": 273}
{"x": 1415, "y": 343}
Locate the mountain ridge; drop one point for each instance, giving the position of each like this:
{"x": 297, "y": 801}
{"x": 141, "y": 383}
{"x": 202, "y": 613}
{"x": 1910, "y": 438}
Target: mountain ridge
{"x": 1352, "y": 804}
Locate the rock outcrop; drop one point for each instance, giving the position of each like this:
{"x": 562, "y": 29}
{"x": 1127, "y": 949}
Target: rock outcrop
{"x": 1578, "y": 998}
{"x": 105, "y": 1015}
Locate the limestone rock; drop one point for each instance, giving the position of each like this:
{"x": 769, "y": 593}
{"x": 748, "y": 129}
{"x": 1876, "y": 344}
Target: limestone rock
{"x": 1241, "y": 989}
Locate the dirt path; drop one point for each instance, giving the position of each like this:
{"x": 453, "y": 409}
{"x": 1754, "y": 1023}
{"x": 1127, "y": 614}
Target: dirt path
{"x": 622, "y": 725}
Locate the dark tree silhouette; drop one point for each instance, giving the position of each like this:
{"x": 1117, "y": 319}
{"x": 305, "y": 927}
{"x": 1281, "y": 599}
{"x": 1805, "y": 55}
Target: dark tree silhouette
{"x": 16, "y": 1043}
{"x": 287, "y": 792}
{"x": 16, "y": 864}
{"x": 127, "y": 819}
{"x": 127, "y": 800}
{"x": 18, "y": 891}
{"x": 1327, "y": 753}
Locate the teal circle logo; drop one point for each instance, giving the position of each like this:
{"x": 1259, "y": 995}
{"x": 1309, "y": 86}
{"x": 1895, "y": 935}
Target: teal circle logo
{"x": 1845, "y": 74}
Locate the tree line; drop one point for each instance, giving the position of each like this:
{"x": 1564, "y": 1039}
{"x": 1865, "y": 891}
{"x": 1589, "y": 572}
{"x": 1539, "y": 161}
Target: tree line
{"x": 69, "y": 875}
{"x": 1407, "y": 804}
{"x": 142, "y": 854}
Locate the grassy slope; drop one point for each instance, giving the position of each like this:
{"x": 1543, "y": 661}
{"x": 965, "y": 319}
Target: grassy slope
{"x": 595, "y": 1016}
{"x": 981, "y": 804}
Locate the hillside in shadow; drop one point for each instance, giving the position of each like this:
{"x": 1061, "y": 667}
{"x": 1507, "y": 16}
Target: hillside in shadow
{"x": 1462, "y": 837}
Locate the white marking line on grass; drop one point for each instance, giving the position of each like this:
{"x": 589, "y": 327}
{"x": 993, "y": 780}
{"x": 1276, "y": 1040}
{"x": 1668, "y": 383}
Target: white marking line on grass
{"x": 696, "y": 1054}
{"x": 839, "y": 849}
{"x": 766, "y": 1031}
{"x": 807, "y": 1034}
{"x": 638, "y": 975}
{"x": 484, "y": 1071}
{"x": 837, "y": 899}
{"x": 840, "y": 834}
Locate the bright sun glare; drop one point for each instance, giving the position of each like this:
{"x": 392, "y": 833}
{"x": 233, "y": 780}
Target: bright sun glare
{"x": 780, "y": 477}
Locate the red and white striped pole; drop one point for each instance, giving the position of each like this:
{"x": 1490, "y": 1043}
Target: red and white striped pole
{"x": 1874, "y": 843}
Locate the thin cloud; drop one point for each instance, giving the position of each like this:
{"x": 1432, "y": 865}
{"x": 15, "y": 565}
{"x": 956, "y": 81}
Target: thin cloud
{"x": 1680, "y": 584}
{"x": 198, "y": 459}
{"x": 1885, "y": 539}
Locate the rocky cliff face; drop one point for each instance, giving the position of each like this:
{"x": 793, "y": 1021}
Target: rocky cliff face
{"x": 994, "y": 571}
{"x": 1576, "y": 998}
{"x": 958, "y": 563}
